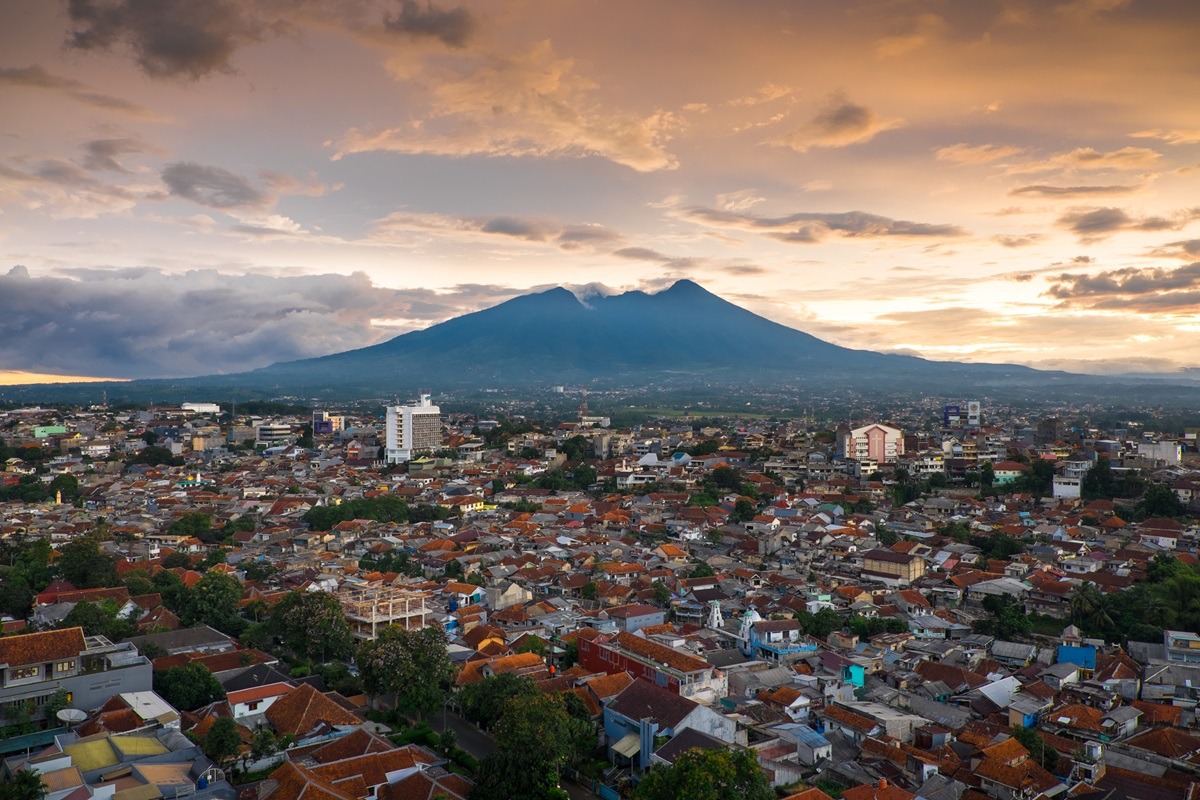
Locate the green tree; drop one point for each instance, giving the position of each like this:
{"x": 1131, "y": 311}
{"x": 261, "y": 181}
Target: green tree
{"x": 702, "y": 774}
{"x": 24, "y": 785}
{"x": 67, "y": 484}
{"x": 99, "y": 619}
{"x": 886, "y": 536}
{"x": 412, "y": 664}
{"x": 1083, "y": 601}
{"x": 532, "y": 644}
{"x": 743, "y": 511}
{"x": 173, "y": 592}
{"x": 483, "y": 702}
{"x": 662, "y": 595}
{"x": 987, "y": 474}
{"x": 222, "y": 741}
{"x": 583, "y": 476}
{"x": 1159, "y": 501}
{"x": 85, "y": 565}
{"x": 313, "y": 625}
{"x": 264, "y": 744}
{"x": 727, "y": 478}
{"x": 57, "y": 702}
{"x": 1006, "y": 618}
{"x": 138, "y": 582}
{"x": 188, "y": 686}
{"x": 154, "y": 456}
{"x": 177, "y": 559}
{"x": 213, "y": 601}
{"x": 536, "y": 738}
{"x": 193, "y": 523}
{"x": 701, "y": 569}
{"x": 1098, "y": 482}
{"x": 589, "y": 591}
{"x": 1032, "y": 741}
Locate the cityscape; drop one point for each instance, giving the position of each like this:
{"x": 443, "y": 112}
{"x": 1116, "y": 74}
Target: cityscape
{"x": 413, "y": 601}
{"x": 560, "y": 400}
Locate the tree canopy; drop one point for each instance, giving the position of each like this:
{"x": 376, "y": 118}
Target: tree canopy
{"x": 702, "y": 774}
{"x": 411, "y": 663}
{"x": 312, "y": 624}
{"x": 188, "y": 686}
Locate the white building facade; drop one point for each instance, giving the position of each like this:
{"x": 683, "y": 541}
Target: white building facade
{"x": 413, "y": 429}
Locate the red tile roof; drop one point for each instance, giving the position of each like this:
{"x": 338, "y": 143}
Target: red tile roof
{"x": 38, "y": 648}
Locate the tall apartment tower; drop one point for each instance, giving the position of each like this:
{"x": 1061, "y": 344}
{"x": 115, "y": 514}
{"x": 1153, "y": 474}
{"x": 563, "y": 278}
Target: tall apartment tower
{"x": 413, "y": 429}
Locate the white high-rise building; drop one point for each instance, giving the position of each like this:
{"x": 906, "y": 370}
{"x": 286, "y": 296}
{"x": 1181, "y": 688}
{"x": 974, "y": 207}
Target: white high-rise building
{"x": 413, "y": 429}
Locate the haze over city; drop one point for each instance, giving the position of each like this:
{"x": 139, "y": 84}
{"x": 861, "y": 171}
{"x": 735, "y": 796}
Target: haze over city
{"x": 198, "y": 187}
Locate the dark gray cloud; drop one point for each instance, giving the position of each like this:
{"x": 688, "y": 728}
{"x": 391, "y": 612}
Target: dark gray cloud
{"x": 101, "y": 154}
{"x": 192, "y": 39}
{"x": 453, "y": 26}
{"x": 838, "y": 124}
{"x": 1093, "y": 224}
{"x": 519, "y": 227}
{"x": 654, "y": 256}
{"x": 577, "y": 237}
{"x": 36, "y": 77}
{"x": 1024, "y": 240}
{"x": 214, "y": 187}
{"x": 812, "y": 227}
{"x": 1044, "y": 190}
{"x": 1187, "y": 249}
{"x": 1130, "y": 288}
{"x": 168, "y": 38}
{"x": 67, "y": 190}
{"x": 141, "y": 322}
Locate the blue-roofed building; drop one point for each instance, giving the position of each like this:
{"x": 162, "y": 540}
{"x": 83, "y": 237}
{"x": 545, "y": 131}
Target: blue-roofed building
{"x": 811, "y": 746}
{"x": 1083, "y": 656}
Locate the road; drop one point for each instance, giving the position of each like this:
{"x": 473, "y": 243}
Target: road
{"x": 479, "y": 745}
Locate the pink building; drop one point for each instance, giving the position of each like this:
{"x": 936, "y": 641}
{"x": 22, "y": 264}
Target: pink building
{"x": 879, "y": 443}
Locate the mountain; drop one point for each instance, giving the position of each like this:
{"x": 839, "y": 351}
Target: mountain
{"x": 682, "y": 338}
{"x": 682, "y": 335}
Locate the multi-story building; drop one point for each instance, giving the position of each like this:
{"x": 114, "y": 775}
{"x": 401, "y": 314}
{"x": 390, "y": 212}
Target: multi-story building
{"x": 90, "y": 669}
{"x": 880, "y": 443}
{"x": 1182, "y": 647}
{"x": 413, "y": 429}
{"x": 686, "y": 675}
{"x": 270, "y": 433}
{"x": 892, "y": 568}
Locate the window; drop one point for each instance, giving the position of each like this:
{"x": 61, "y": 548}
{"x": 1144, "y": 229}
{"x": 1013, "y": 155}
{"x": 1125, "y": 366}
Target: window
{"x": 253, "y": 705}
{"x": 23, "y": 673}
{"x": 65, "y": 666}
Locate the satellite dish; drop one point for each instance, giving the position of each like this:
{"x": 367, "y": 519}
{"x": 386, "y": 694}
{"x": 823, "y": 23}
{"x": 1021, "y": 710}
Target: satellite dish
{"x": 71, "y": 716}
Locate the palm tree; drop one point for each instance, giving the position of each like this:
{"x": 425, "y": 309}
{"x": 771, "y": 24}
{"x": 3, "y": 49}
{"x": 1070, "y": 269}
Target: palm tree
{"x": 1083, "y": 601}
{"x": 24, "y": 785}
{"x": 1101, "y": 617}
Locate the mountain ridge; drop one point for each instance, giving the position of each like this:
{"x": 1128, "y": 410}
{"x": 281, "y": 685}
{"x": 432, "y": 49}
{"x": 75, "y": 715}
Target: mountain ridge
{"x": 682, "y": 337}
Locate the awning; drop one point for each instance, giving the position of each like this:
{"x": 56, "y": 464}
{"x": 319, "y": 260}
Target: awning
{"x": 629, "y": 745}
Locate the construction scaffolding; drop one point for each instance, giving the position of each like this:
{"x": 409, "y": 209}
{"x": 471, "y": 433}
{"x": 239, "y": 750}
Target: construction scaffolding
{"x": 370, "y": 609}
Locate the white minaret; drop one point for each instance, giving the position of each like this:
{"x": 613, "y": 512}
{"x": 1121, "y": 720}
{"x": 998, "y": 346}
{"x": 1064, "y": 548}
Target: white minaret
{"x": 715, "y": 620}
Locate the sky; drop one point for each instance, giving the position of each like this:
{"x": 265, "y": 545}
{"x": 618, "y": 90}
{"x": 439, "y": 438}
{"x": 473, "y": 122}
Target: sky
{"x": 199, "y": 186}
